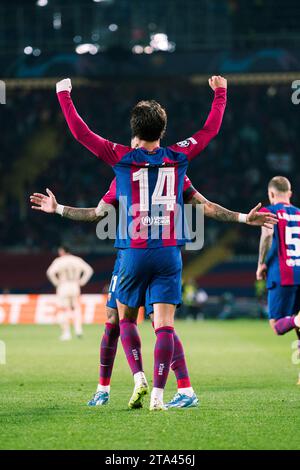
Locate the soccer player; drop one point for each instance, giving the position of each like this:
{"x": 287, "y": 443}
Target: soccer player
{"x": 149, "y": 182}
{"x": 279, "y": 259}
{"x": 68, "y": 273}
{"x": 185, "y": 396}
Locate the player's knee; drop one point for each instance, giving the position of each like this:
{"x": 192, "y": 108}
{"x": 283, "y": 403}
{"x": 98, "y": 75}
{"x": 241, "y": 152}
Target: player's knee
{"x": 112, "y": 315}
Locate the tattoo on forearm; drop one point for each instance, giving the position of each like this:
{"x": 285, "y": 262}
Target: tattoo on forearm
{"x": 215, "y": 211}
{"x": 81, "y": 214}
{"x": 264, "y": 246}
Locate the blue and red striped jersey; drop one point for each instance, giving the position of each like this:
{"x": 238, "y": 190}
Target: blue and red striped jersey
{"x": 283, "y": 259}
{"x": 149, "y": 184}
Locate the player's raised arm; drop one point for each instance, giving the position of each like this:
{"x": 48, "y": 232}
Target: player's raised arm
{"x": 104, "y": 149}
{"x": 49, "y": 205}
{"x": 217, "y": 212}
{"x": 195, "y": 144}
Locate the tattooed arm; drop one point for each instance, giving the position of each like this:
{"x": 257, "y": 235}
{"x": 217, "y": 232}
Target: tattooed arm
{"x": 49, "y": 204}
{"x": 265, "y": 243}
{"x": 217, "y": 212}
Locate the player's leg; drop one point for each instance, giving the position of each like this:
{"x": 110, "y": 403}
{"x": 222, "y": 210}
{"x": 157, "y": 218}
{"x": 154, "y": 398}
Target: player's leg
{"x": 108, "y": 351}
{"x": 185, "y": 396}
{"x": 163, "y": 351}
{"x": 133, "y": 281}
{"x": 131, "y": 343}
{"x": 281, "y": 309}
{"x": 164, "y": 295}
{"x": 63, "y": 318}
{"x": 109, "y": 342}
{"x": 76, "y": 316}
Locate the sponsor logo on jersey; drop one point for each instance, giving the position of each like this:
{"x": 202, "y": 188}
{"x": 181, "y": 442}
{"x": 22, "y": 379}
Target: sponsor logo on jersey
{"x": 157, "y": 220}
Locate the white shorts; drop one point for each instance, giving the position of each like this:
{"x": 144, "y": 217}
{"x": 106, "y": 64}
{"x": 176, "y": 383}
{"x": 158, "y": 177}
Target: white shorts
{"x": 69, "y": 302}
{"x": 68, "y": 294}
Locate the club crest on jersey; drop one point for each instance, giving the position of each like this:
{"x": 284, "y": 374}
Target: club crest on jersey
{"x": 187, "y": 142}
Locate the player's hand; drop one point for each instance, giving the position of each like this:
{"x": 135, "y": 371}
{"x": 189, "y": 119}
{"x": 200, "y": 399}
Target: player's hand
{"x": 261, "y": 272}
{"x": 44, "y": 203}
{"x": 216, "y": 81}
{"x": 263, "y": 219}
{"x": 64, "y": 85}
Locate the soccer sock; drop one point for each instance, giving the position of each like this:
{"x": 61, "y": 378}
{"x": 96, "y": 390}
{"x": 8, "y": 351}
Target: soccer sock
{"x": 131, "y": 344}
{"x": 179, "y": 367}
{"x": 285, "y": 324}
{"x": 163, "y": 353}
{"x": 108, "y": 351}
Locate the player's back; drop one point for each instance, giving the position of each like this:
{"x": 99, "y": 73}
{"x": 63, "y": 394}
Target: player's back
{"x": 284, "y": 256}
{"x": 68, "y": 270}
{"x": 149, "y": 190}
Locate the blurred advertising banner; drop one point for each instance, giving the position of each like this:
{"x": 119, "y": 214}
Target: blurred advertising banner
{"x": 42, "y": 309}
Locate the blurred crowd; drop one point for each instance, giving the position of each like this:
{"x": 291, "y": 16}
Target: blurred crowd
{"x": 258, "y": 140}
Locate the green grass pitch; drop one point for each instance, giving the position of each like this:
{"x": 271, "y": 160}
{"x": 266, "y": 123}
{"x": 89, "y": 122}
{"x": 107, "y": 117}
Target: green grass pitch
{"x": 242, "y": 373}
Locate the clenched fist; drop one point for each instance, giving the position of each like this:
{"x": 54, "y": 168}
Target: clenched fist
{"x": 216, "y": 81}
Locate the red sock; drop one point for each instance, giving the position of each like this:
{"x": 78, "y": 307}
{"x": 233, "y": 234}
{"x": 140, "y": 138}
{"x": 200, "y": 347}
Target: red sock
{"x": 163, "y": 353}
{"x": 284, "y": 325}
{"x": 108, "y": 351}
{"x": 131, "y": 344}
{"x": 178, "y": 364}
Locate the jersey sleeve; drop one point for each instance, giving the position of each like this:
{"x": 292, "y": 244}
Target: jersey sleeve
{"x": 188, "y": 189}
{"x": 192, "y": 146}
{"x": 105, "y": 150}
{"x": 111, "y": 196}
{"x": 265, "y": 209}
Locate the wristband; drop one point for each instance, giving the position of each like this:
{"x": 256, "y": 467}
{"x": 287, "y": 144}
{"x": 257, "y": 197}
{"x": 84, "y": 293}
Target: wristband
{"x": 64, "y": 85}
{"x": 59, "y": 209}
{"x": 242, "y": 218}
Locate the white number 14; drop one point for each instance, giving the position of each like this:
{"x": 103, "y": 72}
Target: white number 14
{"x": 166, "y": 176}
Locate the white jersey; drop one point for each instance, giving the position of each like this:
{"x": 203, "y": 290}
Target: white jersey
{"x": 68, "y": 273}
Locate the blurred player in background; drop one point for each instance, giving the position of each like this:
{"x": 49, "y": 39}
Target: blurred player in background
{"x": 68, "y": 273}
{"x": 279, "y": 259}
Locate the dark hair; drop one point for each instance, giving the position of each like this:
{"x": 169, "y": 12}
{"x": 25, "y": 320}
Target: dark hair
{"x": 280, "y": 184}
{"x": 148, "y": 121}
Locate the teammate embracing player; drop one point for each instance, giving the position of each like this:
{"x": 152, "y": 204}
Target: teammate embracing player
{"x": 279, "y": 259}
{"x": 185, "y": 396}
{"x": 149, "y": 180}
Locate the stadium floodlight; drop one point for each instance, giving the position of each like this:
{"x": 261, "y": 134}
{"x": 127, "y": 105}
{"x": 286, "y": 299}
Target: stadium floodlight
{"x": 148, "y": 50}
{"x": 137, "y": 49}
{"x": 87, "y": 49}
{"x": 113, "y": 27}
{"x": 160, "y": 42}
{"x": 42, "y": 3}
{"x": 28, "y": 50}
{"x": 36, "y": 52}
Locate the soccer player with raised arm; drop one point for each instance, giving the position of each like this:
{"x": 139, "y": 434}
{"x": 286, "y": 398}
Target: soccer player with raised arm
{"x": 149, "y": 180}
{"x": 279, "y": 259}
{"x": 185, "y": 396}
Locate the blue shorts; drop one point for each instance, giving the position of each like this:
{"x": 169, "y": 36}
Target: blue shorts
{"x": 111, "y": 298}
{"x": 112, "y": 290}
{"x": 283, "y": 301}
{"x": 156, "y": 269}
